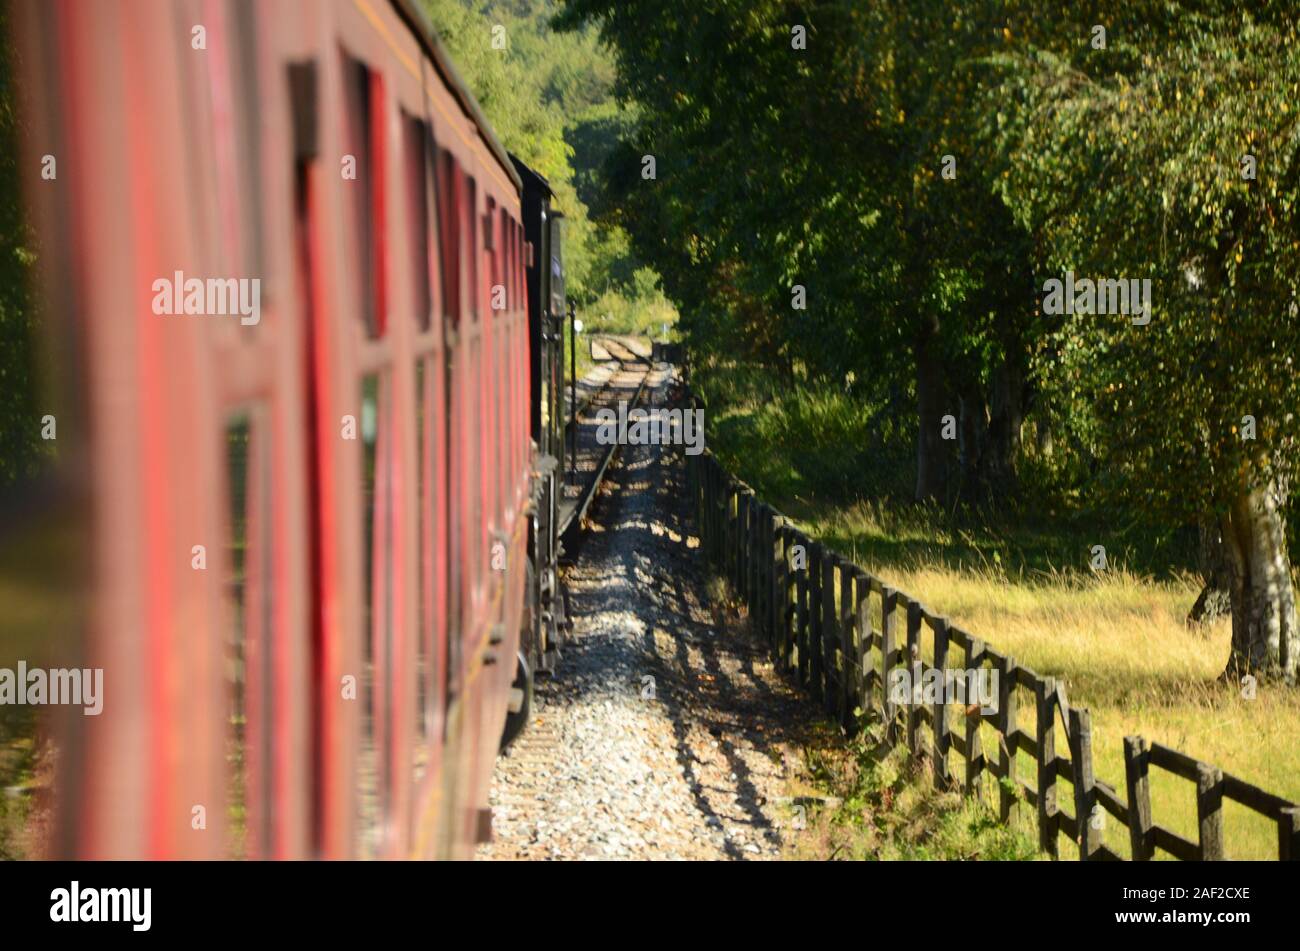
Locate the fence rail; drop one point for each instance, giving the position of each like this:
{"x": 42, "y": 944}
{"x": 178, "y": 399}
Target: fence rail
{"x": 835, "y": 628}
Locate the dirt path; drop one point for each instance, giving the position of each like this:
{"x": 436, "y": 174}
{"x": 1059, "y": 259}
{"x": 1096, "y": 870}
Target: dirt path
{"x": 661, "y": 736}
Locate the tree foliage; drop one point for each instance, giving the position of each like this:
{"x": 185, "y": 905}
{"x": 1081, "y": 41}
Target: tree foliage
{"x": 20, "y": 441}
{"x": 921, "y": 168}
{"x": 549, "y": 97}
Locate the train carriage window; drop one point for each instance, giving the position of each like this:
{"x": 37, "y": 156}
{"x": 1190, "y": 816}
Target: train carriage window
{"x": 417, "y": 204}
{"x": 431, "y": 562}
{"x": 364, "y": 178}
{"x": 426, "y": 562}
{"x": 377, "y": 612}
{"x": 231, "y": 93}
{"x": 448, "y": 189}
{"x": 248, "y": 647}
{"x": 237, "y": 434}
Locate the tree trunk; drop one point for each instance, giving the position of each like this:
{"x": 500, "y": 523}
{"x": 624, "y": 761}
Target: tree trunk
{"x": 990, "y": 437}
{"x": 930, "y": 474}
{"x": 1006, "y": 418}
{"x": 1215, "y": 563}
{"x": 1265, "y": 642}
{"x": 972, "y": 447}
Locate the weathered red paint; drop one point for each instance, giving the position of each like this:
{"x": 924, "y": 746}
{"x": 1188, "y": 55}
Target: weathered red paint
{"x": 177, "y": 159}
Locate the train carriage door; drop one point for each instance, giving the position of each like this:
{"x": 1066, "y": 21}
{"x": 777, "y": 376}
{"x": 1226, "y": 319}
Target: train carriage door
{"x": 491, "y": 385}
{"x": 457, "y": 450}
{"x": 450, "y": 191}
{"x": 501, "y": 317}
{"x": 431, "y": 456}
{"x": 480, "y": 338}
{"x": 377, "y": 407}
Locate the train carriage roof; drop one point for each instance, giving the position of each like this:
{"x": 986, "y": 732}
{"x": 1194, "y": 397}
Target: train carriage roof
{"x": 531, "y": 175}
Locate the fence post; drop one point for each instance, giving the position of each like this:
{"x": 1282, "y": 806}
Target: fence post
{"x": 692, "y": 489}
{"x": 788, "y": 597}
{"x": 914, "y": 686}
{"x": 766, "y": 570}
{"x": 701, "y": 503}
{"x": 1139, "y": 798}
{"x": 1047, "y": 831}
{"x": 782, "y": 582}
{"x": 974, "y": 746}
{"x": 1209, "y": 811}
{"x": 719, "y": 522}
{"x": 1008, "y": 793}
{"x": 848, "y": 653}
{"x": 711, "y": 511}
{"x": 803, "y": 630}
{"x": 742, "y": 551}
{"x": 888, "y": 605}
{"x": 751, "y": 533}
{"x": 741, "y": 509}
{"x": 778, "y": 621}
{"x": 757, "y": 520}
{"x": 1288, "y": 835}
{"x": 724, "y": 516}
{"x": 1085, "y": 795}
{"x": 797, "y": 580}
{"x": 862, "y": 624}
{"x": 830, "y": 635}
{"x": 719, "y": 525}
{"x": 746, "y": 532}
{"x": 737, "y": 537}
{"x": 815, "y": 672}
{"x": 751, "y": 547}
{"x": 940, "y": 712}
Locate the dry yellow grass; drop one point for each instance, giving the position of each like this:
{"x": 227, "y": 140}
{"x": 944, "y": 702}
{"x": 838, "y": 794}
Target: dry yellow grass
{"x": 1121, "y": 644}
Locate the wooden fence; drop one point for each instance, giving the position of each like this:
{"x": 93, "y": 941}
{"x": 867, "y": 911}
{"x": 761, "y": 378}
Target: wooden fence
{"x": 835, "y": 628}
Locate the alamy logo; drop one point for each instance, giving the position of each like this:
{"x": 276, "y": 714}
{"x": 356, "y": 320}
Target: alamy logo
{"x": 75, "y": 687}
{"x": 656, "y": 427}
{"x": 1102, "y": 296}
{"x": 103, "y": 904}
{"x": 977, "y": 685}
{"x": 213, "y": 297}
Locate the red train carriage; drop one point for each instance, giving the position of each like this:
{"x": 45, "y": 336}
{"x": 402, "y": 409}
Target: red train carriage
{"x": 310, "y": 513}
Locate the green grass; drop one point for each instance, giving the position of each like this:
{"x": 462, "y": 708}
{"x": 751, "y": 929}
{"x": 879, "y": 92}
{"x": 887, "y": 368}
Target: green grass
{"x": 862, "y": 801}
{"x": 18, "y": 782}
{"x": 1020, "y": 579}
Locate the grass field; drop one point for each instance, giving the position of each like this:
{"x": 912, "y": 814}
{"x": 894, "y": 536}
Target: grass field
{"x": 1117, "y": 637}
{"x": 861, "y": 801}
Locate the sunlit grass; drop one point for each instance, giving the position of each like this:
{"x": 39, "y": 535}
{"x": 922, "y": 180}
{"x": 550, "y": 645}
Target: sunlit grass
{"x": 1120, "y": 642}
{"x": 861, "y": 801}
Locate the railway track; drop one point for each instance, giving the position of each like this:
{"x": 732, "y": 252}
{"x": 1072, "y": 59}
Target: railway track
{"x": 658, "y": 734}
{"x": 589, "y": 459}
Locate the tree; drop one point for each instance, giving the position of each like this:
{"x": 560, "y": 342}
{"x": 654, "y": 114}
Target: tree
{"x": 549, "y": 97}
{"x": 1172, "y": 156}
{"x": 20, "y": 442}
{"x": 813, "y": 159}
